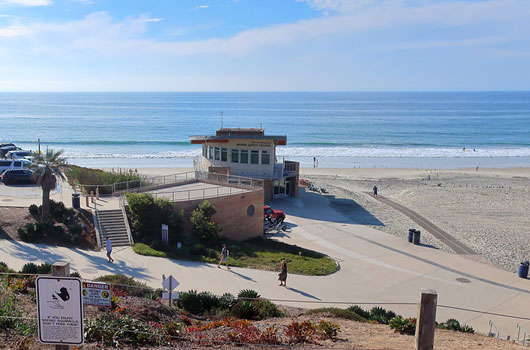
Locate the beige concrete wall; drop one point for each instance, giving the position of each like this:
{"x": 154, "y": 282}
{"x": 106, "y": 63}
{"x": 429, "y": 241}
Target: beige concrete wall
{"x": 231, "y": 215}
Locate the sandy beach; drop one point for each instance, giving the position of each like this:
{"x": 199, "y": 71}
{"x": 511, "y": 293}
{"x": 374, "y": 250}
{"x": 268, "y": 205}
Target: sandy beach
{"x": 487, "y": 210}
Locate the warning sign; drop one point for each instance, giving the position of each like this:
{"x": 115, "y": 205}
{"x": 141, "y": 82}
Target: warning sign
{"x": 60, "y": 310}
{"x": 96, "y": 293}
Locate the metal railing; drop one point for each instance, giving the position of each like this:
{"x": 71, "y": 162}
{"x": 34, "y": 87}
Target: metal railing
{"x": 229, "y": 179}
{"x": 126, "y": 219}
{"x": 199, "y": 193}
{"x": 522, "y": 330}
{"x": 490, "y": 333}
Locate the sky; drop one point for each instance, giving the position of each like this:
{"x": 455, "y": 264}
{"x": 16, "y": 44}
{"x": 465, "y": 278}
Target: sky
{"x": 264, "y": 45}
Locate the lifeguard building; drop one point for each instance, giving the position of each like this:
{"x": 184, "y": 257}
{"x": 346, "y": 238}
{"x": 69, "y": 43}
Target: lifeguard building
{"x": 249, "y": 153}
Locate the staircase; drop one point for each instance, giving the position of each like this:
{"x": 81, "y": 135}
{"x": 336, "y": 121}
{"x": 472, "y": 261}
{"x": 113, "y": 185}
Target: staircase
{"x": 112, "y": 224}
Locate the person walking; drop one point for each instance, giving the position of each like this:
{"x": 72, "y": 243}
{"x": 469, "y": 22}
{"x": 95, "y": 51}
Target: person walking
{"x": 109, "y": 249}
{"x": 224, "y": 257}
{"x": 375, "y": 191}
{"x": 282, "y": 276}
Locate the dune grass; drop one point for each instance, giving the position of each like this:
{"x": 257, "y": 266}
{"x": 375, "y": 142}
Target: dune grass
{"x": 258, "y": 253}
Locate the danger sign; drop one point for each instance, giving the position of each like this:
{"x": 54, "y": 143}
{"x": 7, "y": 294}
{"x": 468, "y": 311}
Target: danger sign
{"x": 96, "y": 293}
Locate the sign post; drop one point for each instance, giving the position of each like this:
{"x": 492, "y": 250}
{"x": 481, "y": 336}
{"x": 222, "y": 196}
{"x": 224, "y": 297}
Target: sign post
{"x": 60, "y": 308}
{"x": 169, "y": 284}
{"x": 165, "y": 234}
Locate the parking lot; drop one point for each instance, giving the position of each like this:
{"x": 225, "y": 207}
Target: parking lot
{"x": 25, "y": 195}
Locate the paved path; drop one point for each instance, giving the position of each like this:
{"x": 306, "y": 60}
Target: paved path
{"x": 450, "y": 241}
{"x": 376, "y": 268}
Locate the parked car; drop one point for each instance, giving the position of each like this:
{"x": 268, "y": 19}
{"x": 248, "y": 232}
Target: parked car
{"x": 17, "y": 176}
{"x": 4, "y": 150}
{"x": 2, "y": 145}
{"x": 274, "y": 214}
{"x": 18, "y": 154}
{"x": 15, "y": 164}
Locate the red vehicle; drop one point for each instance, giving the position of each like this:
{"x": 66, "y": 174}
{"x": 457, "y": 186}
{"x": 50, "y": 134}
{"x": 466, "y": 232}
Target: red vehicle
{"x": 273, "y": 213}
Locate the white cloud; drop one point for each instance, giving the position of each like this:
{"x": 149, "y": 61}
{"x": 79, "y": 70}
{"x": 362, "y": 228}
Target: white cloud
{"x": 154, "y": 19}
{"x": 27, "y": 2}
{"x": 202, "y": 7}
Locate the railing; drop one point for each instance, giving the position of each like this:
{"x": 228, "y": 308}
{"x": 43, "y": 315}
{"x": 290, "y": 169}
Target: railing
{"x": 521, "y": 330}
{"x": 200, "y": 193}
{"x": 98, "y": 226}
{"x": 490, "y": 333}
{"x": 126, "y": 219}
{"x": 229, "y": 179}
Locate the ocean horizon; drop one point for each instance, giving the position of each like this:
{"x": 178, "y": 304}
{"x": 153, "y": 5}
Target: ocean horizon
{"x": 341, "y": 129}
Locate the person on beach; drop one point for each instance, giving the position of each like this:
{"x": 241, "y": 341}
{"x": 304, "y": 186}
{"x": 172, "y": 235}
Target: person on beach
{"x": 109, "y": 249}
{"x": 224, "y": 257}
{"x": 282, "y": 276}
{"x": 314, "y": 162}
{"x": 375, "y": 191}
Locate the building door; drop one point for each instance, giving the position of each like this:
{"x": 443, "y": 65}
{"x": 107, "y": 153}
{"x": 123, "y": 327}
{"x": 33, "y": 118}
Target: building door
{"x": 287, "y": 187}
{"x": 279, "y": 188}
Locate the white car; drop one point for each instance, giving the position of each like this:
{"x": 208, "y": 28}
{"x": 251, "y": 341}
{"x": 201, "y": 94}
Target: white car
{"x": 19, "y": 154}
{"x": 14, "y": 164}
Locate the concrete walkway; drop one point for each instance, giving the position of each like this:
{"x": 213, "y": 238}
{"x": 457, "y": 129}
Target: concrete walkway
{"x": 375, "y": 268}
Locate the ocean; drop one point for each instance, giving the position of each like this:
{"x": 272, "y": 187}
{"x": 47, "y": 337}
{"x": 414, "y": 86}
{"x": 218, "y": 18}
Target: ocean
{"x": 341, "y": 129}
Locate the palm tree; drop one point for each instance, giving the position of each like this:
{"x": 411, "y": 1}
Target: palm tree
{"x": 47, "y": 168}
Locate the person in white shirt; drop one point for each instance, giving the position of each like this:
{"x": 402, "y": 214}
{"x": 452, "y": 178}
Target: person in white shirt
{"x": 109, "y": 249}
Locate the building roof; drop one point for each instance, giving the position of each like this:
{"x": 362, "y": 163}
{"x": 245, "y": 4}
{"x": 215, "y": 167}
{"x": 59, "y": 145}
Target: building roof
{"x": 226, "y": 134}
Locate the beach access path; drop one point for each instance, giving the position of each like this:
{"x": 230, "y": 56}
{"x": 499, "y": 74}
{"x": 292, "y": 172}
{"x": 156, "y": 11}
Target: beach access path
{"x": 375, "y": 269}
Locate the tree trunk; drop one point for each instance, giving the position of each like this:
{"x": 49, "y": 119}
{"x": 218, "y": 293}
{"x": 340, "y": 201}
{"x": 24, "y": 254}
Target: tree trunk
{"x": 45, "y": 203}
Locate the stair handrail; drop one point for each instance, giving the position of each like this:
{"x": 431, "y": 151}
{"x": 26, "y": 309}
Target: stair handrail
{"x": 519, "y": 329}
{"x": 126, "y": 219}
{"x": 492, "y": 325}
{"x": 98, "y": 226}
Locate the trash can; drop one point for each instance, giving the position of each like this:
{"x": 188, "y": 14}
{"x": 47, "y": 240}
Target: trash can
{"x": 523, "y": 269}
{"x": 76, "y": 201}
{"x": 411, "y": 234}
{"x": 417, "y": 235}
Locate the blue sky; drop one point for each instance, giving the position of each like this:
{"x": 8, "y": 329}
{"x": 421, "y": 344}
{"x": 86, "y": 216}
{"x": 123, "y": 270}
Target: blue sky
{"x": 260, "y": 45}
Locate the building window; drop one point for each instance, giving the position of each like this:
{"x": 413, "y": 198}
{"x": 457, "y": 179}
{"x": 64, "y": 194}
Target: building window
{"x": 254, "y": 157}
{"x": 235, "y": 156}
{"x": 210, "y": 152}
{"x": 217, "y": 153}
{"x": 224, "y": 154}
{"x": 204, "y": 151}
{"x": 265, "y": 157}
{"x": 244, "y": 156}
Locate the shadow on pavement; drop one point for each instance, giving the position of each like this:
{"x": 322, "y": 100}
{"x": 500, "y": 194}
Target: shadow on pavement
{"x": 243, "y": 276}
{"x": 307, "y": 295}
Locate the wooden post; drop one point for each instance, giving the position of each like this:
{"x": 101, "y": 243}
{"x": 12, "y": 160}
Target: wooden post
{"x": 92, "y": 196}
{"x": 87, "y": 202}
{"x": 425, "y": 324}
{"x": 61, "y": 269}
{"x": 97, "y": 192}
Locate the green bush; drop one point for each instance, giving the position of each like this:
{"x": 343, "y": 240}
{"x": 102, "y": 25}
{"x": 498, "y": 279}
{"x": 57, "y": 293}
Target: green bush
{"x": 265, "y": 309}
{"x": 381, "y": 315}
{"x": 330, "y": 329}
{"x": 204, "y": 228}
{"x": 11, "y": 314}
{"x": 336, "y": 312}
{"x": 41, "y": 269}
{"x": 244, "y": 309}
{"x": 360, "y": 311}
{"x": 147, "y": 215}
{"x": 34, "y": 210}
{"x": 403, "y": 325}
{"x": 227, "y": 301}
{"x": 453, "y": 325}
{"x": 128, "y": 285}
{"x": 75, "y": 274}
{"x": 248, "y": 294}
{"x": 4, "y": 267}
{"x": 191, "y": 302}
{"x": 105, "y": 179}
{"x": 208, "y": 300}
{"x": 121, "y": 331}
{"x": 28, "y": 233}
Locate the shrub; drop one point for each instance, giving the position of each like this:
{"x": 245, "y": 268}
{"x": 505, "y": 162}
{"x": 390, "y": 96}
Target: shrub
{"x": 301, "y": 332}
{"x": 75, "y": 274}
{"x": 32, "y": 268}
{"x": 360, "y": 311}
{"x": 244, "y": 309}
{"x": 204, "y": 228}
{"x": 380, "y": 315}
{"x": 248, "y": 294}
{"x": 403, "y": 325}
{"x": 227, "y": 301}
{"x": 58, "y": 211}
{"x": 34, "y": 210}
{"x": 330, "y": 329}
{"x": 336, "y": 312}
{"x": 191, "y": 302}
{"x": 4, "y": 267}
{"x": 10, "y": 314}
{"x": 87, "y": 176}
{"x": 28, "y": 233}
{"x": 265, "y": 309}
{"x": 128, "y": 285}
{"x": 121, "y": 330}
{"x": 147, "y": 215}
{"x": 453, "y": 325}
{"x": 208, "y": 300}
